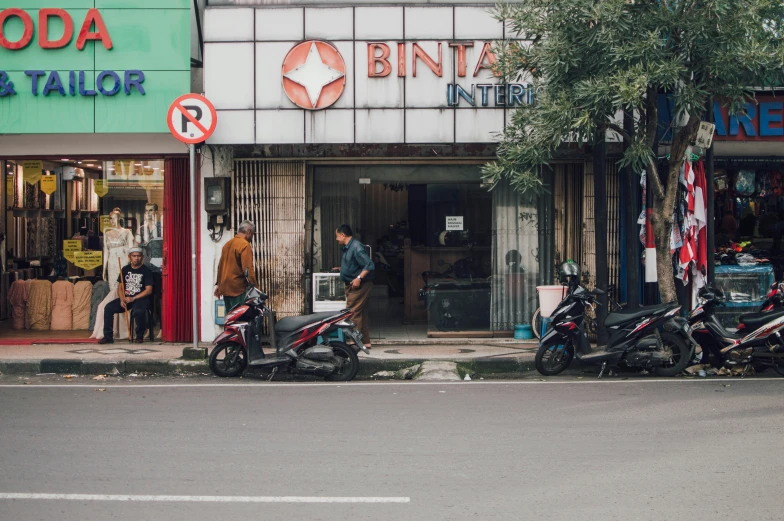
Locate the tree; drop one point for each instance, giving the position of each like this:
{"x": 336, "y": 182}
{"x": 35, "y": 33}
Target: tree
{"x": 589, "y": 61}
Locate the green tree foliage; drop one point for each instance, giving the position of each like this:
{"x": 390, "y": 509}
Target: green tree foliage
{"x": 589, "y": 61}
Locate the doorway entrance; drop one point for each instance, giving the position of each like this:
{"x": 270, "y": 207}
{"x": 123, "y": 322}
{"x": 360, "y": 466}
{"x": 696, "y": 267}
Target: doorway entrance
{"x": 429, "y": 229}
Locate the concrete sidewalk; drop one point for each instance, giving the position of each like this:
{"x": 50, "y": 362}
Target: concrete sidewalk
{"x": 488, "y": 358}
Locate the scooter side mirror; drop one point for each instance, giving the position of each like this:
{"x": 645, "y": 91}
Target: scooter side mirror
{"x": 708, "y": 295}
{"x": 597, "y": 292}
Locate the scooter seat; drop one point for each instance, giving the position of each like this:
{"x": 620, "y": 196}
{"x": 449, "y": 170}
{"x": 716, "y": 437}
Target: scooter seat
{"x": 754, "y": 321}
{"x": 289, "y": 324}
{"x": 616, "y": 318}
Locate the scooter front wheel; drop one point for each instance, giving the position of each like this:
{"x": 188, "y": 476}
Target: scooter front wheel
{"x": 554, "y": 359}
{"x": 228, "y": 360}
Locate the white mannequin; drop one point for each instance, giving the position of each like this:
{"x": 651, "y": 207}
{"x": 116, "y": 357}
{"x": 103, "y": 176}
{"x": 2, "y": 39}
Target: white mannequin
{"x": 116, "y": 243}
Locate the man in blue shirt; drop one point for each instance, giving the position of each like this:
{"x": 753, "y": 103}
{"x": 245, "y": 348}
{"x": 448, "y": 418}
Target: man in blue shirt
{"x": 356, "y": 271}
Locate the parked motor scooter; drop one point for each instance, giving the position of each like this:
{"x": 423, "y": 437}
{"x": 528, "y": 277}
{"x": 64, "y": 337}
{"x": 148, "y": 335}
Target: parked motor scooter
{"x": 294, "y": 341}
{"x": 635, "y": 337}
{"x": 758, "y": 344}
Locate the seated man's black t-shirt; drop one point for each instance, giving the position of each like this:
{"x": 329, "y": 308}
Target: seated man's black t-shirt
{"x": 135, "y": 281}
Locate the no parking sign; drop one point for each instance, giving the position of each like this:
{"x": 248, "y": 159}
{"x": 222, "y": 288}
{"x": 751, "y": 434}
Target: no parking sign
{"x": 192, "y": 118}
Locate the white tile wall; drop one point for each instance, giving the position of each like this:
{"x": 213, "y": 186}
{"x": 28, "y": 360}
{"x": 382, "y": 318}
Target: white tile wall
{"x": 430, "y": 126}
{"x": 228, "y": 75}
{"x": 429, "y": 22}
{"x": 346, "y": 50}
{"x": 385, "y": 110}
{"x": 235, "y": 127}
{"x": 329, "y": 24}
{"x": 476, "y": 22}
{"x": 329, "y": 126}
{"x": 269, "y": 80}
{"x": 280, "y": 127}
{"x": 478, "y": 125}
{"x": 379, "y": 126}
{"x": 377, "y": 92}
{"x": 378, "y": 23}
{"x": 221, "y": 25}
{"x": 279, "y": 24}
{"x": 427, "y": 90}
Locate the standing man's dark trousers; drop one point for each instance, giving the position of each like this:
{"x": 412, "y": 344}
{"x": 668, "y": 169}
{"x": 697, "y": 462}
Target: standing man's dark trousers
{"x": 357, "y": 302}
{"x": 139, "y": 310}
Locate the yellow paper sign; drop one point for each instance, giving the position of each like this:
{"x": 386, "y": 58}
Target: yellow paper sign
{"x": 9, "y": 185}
{"x": 32, "y": 171}
{"x": 105, "y": 222}
{"x": 101, "y": 187}
{"x": 70, "y": 247}
{"x": 88, "y": 260}
{"x": 48, "y": 184}
{"x": 124, "y": 167}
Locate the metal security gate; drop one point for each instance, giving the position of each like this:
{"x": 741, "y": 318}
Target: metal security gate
{"x": 271, "y": 194}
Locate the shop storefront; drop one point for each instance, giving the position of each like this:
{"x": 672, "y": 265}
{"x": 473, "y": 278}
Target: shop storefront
{"x": 89, "y": 167}
{"x": 379, "y": 117}
{"x": 748, "y": 201}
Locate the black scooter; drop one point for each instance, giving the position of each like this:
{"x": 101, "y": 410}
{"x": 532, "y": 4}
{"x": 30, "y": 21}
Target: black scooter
{"x": 636, "y": 341}
{"x": 758, "y": 345}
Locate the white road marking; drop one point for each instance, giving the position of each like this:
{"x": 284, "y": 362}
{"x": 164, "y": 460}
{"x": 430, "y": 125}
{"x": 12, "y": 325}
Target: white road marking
{"x": 205, "y": 499}
{"x": 347, "y": 385}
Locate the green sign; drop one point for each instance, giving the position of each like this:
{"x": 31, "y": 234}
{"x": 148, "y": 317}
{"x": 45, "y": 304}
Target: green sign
{"x": 92, "y": 66}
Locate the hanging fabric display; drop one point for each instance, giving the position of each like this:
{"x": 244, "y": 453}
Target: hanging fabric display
{"x": 39, "y": 307}
{"x": 99, "y": 292}
{"x": 62, "y": 302}
{"x": 17, "y": 297}
{"x": 80, "y": 309}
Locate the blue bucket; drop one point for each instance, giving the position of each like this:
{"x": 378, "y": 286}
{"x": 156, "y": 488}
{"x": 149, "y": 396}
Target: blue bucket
{"x": 523, "y": 332}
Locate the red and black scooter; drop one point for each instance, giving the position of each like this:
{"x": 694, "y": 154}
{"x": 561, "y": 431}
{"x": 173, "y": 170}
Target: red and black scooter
{"x": 293, "y": 340}
{"x": 759, "y": 344}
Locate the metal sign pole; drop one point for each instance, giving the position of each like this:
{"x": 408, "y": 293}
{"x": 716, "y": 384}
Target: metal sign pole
{"x": 194, "y": 285}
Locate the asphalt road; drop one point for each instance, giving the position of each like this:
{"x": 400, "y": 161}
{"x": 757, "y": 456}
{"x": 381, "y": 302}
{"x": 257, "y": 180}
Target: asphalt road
{"x": 556, "y": 450}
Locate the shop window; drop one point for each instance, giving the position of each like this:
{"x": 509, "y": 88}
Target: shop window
{"x": 73, "y": 221}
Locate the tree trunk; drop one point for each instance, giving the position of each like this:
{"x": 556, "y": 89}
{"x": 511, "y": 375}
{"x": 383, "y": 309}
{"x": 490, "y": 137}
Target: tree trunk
{"x": 664, "y": 206}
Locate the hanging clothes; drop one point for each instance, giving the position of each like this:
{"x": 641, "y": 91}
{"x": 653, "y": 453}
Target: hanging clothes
{"x": 17, "y": 297}
{"x": 688, "y": 250}
{"x": 39, "y": 305}
{"x": 81, "y": 307}
{"x": 700, "y": 266}
{"x": 62, "y": 306}
{"x": 100, "y": 290}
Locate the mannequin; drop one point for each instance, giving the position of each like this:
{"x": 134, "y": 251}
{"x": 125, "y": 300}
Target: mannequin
{"x": 150, "y": 236}
{"x": 116, "y": 243}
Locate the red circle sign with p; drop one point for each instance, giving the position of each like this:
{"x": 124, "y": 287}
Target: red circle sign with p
{"x": 192, "y": 118}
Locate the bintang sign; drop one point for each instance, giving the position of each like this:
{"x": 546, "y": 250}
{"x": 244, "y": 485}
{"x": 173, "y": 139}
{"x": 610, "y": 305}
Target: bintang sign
{"x": 314, "y": 73}
{"x": 95, "y": 66}
{"x": 363, "y": 74}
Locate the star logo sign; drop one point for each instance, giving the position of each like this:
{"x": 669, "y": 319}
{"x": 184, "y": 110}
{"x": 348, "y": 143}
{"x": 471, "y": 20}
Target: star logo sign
{"x": 314, "y": 75}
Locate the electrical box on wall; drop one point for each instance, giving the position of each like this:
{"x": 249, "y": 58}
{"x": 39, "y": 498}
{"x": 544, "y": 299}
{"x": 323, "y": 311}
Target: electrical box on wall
{"x": 217, "y": 192}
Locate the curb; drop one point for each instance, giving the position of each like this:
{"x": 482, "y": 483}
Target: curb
{"x": 95, "y": 367}
{"x": 490, "y": 368}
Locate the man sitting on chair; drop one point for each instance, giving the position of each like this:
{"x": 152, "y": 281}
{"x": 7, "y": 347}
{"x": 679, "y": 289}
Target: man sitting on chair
{"x": 138, "y": 289}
